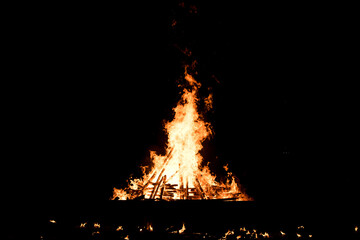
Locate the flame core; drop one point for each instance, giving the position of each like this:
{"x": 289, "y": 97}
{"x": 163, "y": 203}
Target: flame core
{"x": 179, "y": 174}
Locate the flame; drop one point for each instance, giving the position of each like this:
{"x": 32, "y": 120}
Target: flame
{"x": 52, "y": 221}
{"x": 180, "y": 174}
{"x": 82, "y": 225}
{"x": 182, "y": 229}
{"x": 228, "y": 233}
{"x": 96, "y": 225}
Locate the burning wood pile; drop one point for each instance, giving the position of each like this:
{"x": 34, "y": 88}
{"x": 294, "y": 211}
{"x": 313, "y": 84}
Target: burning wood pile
{"x": 180, "y": 174}
{"x": 161, "y": 188}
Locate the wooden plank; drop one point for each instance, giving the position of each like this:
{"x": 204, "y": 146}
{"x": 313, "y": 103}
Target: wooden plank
{"x": 168, "y": 194}
{"x": 181, "y": 187}
{"x": 149, "y": 181}
{"x": 163, "y": 187}
{"x": 201, "y": 191}
{"x": 157, "y": 188}
{"x": 162, "y": 167}
{"x": 187, "y": 189}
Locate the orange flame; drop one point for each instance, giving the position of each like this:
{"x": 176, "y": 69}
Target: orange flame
{"x": 179, "y": 174}
{"x": 182, "y": 229}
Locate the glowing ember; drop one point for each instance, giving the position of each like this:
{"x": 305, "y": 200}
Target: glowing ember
{"x": 82, "y": 225}
{"x": 182, "y": 229}
{"x": 52, "y": 221}
{"x": 180, "y": 174}
{"x": 228, "y": 233}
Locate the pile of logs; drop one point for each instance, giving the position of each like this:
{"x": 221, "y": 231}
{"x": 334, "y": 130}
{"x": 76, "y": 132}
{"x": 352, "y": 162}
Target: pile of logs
{"x": 162, "y": 190}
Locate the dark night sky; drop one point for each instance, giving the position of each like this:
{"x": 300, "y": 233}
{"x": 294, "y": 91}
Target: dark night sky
{"x": 90, "y": 88}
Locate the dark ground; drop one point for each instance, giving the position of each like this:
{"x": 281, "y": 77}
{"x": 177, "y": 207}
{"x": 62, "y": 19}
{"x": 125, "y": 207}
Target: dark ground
{"x": 202, "y": 219}
{"x": 88, "y": 89}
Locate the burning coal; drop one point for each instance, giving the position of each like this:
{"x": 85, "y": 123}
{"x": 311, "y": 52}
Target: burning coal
{"x": 179, "y": 175}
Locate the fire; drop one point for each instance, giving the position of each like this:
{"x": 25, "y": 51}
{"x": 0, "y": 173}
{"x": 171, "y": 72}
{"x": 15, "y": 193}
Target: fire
{"x": 182, "y": 229}
{"x": 149, "y": 227}
{"x": 228, "y": 233}
{"x": 179, "y": 174}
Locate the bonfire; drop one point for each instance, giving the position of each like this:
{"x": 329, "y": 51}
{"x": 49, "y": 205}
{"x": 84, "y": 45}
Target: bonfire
{"x": 180, "y": 174}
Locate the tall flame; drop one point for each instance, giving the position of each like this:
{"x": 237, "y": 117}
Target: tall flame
{"x": 179, "y": 173}
{"x": 186, "y": 133}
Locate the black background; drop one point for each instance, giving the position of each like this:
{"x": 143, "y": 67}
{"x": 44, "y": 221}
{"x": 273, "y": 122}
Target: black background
{"x": 89, "y": 88}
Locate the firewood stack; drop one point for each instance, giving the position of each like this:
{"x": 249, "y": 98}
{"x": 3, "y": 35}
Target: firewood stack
{"x": 160, "y": 189}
